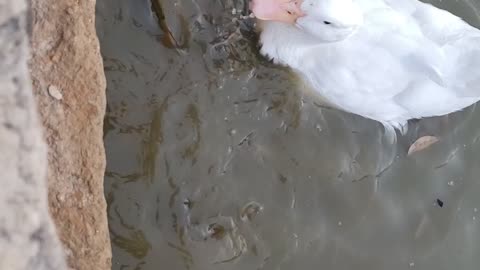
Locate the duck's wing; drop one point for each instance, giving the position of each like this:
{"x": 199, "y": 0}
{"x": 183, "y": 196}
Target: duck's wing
{"x": 459, "y": 42}
{"x": 421, "y": 76}
{"x": 438, "y": 25}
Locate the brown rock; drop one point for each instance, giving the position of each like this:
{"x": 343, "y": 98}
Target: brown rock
{"x": 66, "y": 54}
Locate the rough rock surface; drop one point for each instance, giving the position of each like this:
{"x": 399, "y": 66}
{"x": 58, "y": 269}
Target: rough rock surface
{"x": 69, "y": 85}
{"x": 27, "y": 235}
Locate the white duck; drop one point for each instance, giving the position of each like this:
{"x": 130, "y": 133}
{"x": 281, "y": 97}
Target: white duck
{"x": 387, "y": 60}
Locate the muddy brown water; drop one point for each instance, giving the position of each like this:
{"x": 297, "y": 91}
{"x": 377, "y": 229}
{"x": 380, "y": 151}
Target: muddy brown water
{"x": 217, "y": 161}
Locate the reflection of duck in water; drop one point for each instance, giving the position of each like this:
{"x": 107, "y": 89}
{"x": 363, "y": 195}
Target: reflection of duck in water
{"x": 388, "y": 60}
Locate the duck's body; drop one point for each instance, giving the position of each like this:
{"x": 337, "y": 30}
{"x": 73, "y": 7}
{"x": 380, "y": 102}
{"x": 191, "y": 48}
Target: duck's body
{"x": 397, "y": 60}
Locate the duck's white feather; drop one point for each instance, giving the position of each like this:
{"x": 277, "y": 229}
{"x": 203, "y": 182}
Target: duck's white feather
{"x": 407, "y": 60}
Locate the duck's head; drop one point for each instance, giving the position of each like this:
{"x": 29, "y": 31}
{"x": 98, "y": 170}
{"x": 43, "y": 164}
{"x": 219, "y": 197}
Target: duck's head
{"x": 327, "y": 20}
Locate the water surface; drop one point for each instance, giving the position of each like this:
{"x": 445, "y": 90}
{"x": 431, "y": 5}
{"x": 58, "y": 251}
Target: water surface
{"x": 216, "y": 160}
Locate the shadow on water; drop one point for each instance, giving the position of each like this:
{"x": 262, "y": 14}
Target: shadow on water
{"x": 218, "y": 160}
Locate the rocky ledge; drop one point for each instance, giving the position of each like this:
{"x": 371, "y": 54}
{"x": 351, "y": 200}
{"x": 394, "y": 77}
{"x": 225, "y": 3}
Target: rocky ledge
{"x": 69, "y": 86}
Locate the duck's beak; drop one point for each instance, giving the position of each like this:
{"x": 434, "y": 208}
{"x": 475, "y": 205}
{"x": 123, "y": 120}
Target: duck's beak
{"x": 287, "y": 11}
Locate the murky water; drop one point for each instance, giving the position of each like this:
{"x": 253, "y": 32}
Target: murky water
{"x": 217, "y": 161}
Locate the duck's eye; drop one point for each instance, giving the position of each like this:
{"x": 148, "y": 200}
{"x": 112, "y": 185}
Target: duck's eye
{"x": 327, "y": 22}
{"x": 289, "y": 12}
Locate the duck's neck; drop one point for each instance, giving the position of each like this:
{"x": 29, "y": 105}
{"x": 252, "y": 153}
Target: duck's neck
{"x": 286, "y": 44}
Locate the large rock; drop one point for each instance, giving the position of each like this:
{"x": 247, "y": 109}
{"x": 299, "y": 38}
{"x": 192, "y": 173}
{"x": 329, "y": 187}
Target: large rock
{"x": 69, "y": 85}
{"x": 27, "y": 235}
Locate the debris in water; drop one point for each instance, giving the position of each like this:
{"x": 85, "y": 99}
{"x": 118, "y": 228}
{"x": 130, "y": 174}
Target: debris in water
{"x": 188, "y": 203}
{"x": 216, "y": 231}
{"x": 422, "y": 143}
{"x": 439, "y": 202}
{"x": 250, "y": 210}
{"x": 282, "y": 178}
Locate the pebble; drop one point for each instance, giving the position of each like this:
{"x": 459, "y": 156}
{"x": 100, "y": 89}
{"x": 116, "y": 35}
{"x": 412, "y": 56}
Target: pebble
{"x": 60, "y": 197}
{"x": 70, "y": 11}
{"x": 54, "y": 92}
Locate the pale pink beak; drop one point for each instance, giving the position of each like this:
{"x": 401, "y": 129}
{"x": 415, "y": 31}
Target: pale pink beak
{"x": 277, "y": 10}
